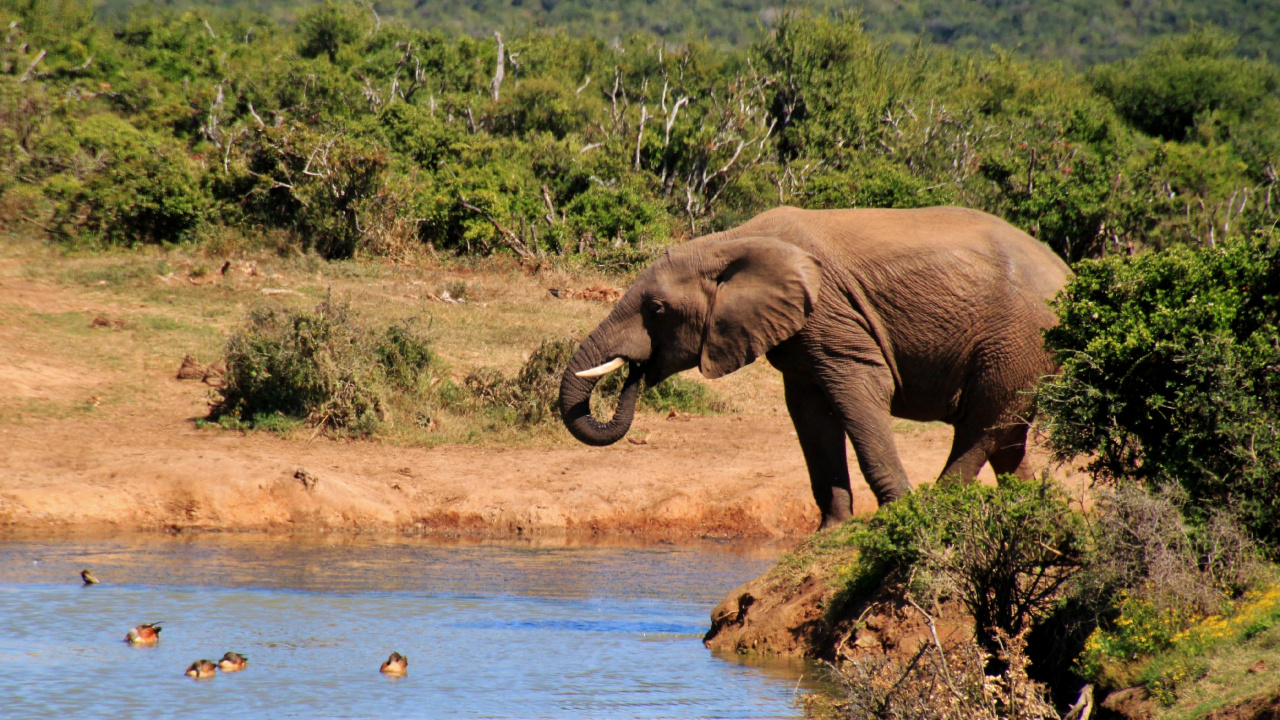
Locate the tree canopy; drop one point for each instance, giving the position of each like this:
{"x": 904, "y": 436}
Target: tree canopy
{"x": 348, "y": 131}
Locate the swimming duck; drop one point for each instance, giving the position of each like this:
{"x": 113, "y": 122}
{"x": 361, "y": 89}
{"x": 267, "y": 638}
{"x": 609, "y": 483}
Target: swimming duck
{"x": 144, "y": 634}
{"x": 397, "y": 664}
{"x": 88, "y": 577}
{"x": 202, "y": 669}
{"x": 232, "y": 662}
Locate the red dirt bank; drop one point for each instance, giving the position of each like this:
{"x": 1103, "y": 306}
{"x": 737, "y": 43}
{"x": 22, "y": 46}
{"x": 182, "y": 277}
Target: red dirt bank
{"x": 722, "y": 477}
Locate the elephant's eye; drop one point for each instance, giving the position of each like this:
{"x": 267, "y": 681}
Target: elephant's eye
{"x": 656, "y": 307}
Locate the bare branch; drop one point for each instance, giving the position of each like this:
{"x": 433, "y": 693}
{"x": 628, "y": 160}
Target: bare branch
{"x": 510, "y": 238}
{"x": 32, "y": 66}
{"x": 644, "y": 117}
{"x": 255, "y": 116}
{"x": 500, "y": 70}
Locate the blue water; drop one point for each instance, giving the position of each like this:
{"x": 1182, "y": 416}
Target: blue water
{"x": 491, "y": 630}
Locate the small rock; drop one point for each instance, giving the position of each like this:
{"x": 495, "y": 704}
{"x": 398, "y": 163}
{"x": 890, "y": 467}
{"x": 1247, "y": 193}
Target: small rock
{"x": 191, "y": 369}
{"x": 638, "y": 440}
{"x": 308, "y": 479}
{"x": 866, "y": 639}
{"x": 102, "y": 321}
{"x": 215, "y": 372}
{"x": 597, "y": 292}
{"x": 1133, "y": 703}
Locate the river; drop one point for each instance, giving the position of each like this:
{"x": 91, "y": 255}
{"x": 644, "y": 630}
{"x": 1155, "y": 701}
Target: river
{"x": 491, "y": 630}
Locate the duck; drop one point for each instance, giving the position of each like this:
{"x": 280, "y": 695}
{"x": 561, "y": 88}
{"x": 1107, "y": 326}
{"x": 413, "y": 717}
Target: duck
{"x": 88, "y": 577}
{"x": 233, "y": 662}
{"x": 144, "y": 634}
{"x": 202, "y": 669}
{"x": 397, "y": 665}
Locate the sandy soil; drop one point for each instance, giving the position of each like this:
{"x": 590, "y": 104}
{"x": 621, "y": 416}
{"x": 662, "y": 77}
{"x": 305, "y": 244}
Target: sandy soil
{"x": 148, "y": 466}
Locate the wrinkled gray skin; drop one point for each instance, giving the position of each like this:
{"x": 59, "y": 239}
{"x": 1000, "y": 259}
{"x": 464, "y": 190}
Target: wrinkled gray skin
{"x": 929, "y": 314}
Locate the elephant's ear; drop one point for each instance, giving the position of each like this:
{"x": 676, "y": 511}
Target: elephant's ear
{"x": 765, "y": 290}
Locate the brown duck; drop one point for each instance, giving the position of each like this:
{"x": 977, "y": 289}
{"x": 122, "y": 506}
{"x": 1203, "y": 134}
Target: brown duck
{"x": 233, "y": 662}
{"x": 144, "y": 634}
{"x": 202, "y": 669}
{"x": 88, "y": 577}
{"x": 397, "y": 665}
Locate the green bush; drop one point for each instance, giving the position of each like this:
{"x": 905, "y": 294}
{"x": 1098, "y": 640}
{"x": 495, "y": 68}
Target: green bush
{"x": 680, "y": 394}
{"x": 1006, "y": 552}
{"x": 319, "y": 365}
{"x": 404, "y": 355}
{"x": 1171, "y": 375}
{"x": 123, "y": 185}
{"x": 326, "y": 188}
{"x": 608, "y": 219}
{"x": 326, "y": 28}
{"x": 541, "y": 105}
{"x": 1178, "y": 81}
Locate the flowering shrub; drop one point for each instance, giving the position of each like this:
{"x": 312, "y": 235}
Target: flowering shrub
{"x": 1177, "y": 641}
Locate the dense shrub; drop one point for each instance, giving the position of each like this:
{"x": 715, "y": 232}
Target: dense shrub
{"x": 1006, "y": 552}
{"x": 319, "y": 365}
{"x": 327, "y": 188}
{"x": 326, "y": 28}
{"x": 1126, "y": 593}
{"x": 122, "y": 185}
{"x": 1177, "y": 82}
{"x": 1171, "y": 375}
{"x": 617, "y": 216}
{"x": 1149, "y": 575}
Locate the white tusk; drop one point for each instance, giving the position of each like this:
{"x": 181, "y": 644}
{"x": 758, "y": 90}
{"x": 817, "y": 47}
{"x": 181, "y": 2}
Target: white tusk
{"x": 602, "y": 370}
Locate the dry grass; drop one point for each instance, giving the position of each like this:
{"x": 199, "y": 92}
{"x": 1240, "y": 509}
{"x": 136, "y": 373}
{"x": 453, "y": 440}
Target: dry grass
{"x": 179, "y": 301}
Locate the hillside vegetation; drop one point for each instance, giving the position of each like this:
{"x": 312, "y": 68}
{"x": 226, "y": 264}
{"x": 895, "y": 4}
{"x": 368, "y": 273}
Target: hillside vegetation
{"x": 343, "y": 134}
{"x": 1081, "y": 31}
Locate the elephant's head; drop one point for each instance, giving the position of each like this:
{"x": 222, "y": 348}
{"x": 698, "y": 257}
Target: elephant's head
{"x": 712, "y": 303}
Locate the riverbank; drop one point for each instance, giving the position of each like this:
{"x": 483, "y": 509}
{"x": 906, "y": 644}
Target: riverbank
{"x": 154, "y": 469}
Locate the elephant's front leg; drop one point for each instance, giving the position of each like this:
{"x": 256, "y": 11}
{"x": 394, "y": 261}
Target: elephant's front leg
{"x": 821, "y": 434}
{"x": 861, "y": 395}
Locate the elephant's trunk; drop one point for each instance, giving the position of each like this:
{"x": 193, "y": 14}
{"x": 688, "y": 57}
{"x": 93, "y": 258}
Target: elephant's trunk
{"x": 575, "y": 399}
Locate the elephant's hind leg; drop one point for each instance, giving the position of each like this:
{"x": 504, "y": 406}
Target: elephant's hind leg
{"x": 821, "y": 435}
{"x": 997, "y": 433}
{"x": 972, "y": 445}
{"x": 1010, "y": 454}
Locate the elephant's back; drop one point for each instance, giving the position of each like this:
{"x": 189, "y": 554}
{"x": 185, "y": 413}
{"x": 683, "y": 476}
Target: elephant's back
{"x": 934, "y": 237}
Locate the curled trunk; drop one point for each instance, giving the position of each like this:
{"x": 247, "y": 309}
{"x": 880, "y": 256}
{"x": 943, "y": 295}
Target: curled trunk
{"x": 575, "y": 400}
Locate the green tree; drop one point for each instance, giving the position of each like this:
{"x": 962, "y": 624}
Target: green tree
{"x": 1171, "y": 374}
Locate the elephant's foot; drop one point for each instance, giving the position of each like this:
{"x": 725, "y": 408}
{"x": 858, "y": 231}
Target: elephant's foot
{"x": 839, "y": 511}
{"x": 830, "y": 521}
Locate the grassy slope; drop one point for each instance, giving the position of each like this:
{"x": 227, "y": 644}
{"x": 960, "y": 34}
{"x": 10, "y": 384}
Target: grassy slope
{"x": 507, "y": 314}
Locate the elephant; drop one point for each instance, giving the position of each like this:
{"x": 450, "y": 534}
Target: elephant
{"x": 927, "y": 314}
